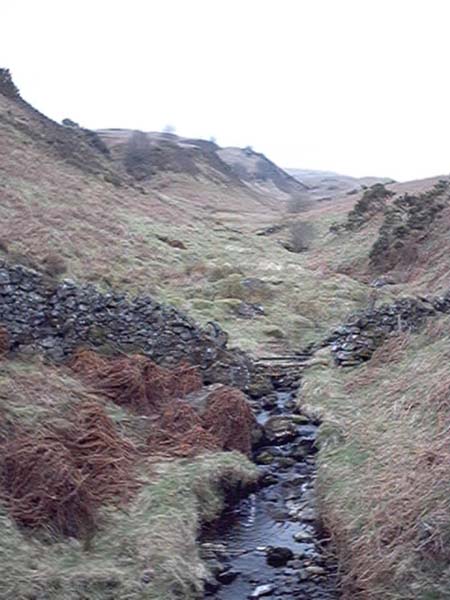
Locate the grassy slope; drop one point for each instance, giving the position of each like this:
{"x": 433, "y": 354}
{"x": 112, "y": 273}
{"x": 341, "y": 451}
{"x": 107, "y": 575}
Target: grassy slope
{"x": 348, "y": 252}
{"x": 146, "y": 550}
{"x": 383, "y": 467}
{"x": 109, "y": 235}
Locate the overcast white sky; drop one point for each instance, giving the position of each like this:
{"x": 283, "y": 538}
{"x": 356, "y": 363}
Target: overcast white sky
{"x": 356, "y": 86}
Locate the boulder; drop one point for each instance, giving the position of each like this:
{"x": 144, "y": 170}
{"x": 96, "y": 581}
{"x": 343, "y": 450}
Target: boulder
{"x": 278, "y": 556}
{"x": 280, "y": 430}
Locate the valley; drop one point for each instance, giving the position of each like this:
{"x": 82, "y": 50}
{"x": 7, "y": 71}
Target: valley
{"x": 205, "y": 357}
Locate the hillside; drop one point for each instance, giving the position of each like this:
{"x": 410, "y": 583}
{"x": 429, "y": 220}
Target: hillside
{"x": 249, "y": 172}
{"x": 400, "y": 236}
{"x": 325, "y": 185}
{"x": 263, "y": 175}
{"x": 189, "y": 239}
{"x": 162, "y": 302}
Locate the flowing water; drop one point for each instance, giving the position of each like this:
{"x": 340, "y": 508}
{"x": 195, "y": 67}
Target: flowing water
{"x": 270, "y": 544}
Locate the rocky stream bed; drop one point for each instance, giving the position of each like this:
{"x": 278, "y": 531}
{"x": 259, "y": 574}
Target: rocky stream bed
{"x": 270, "y": 543}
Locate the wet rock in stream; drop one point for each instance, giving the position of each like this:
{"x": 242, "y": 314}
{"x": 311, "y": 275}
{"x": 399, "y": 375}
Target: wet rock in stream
{"x": 262, "y": 590}
{"x": 280, "y": 430}
{"x": 278, "y": 557}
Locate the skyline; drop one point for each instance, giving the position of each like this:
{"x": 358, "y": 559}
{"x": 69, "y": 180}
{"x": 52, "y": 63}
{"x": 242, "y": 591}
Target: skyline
{"x": 353, "y": 87}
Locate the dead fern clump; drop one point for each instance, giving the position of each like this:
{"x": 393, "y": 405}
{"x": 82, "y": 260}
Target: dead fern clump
{"x": 136, "y": 381}
{"x": 185, "y": 380}
{"x": 229, "y": 417}
{"x": 163, "y": 385}
{"x": 59, "y": 477}
{"x": 179, "y": 432}
{"x": 179, "y": 417}
{"x": 4, "y": 341}
{"x": 104, "y": 457}
{"x": 188, "y": 444}
{"x": 42, "y": 485}
{"x": 86, "y": 362}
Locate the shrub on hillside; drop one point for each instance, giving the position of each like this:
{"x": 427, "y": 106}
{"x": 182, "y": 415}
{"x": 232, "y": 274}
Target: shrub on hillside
{"x": 407, "y": 221}
{"x": 302, "y": 233}
{"x": 69, "y": 123}
{"x": 372, "y": 202}
{"x": 138, "y": 155}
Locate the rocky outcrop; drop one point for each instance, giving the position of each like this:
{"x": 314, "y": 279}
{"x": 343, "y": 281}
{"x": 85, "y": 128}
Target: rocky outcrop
{"x": 356, "y": 340}
{"x": 7, "y": 86}
{"x": 406, "y": 223}
{"x": 371, "y": 203}
{"x": 56, "y": 318}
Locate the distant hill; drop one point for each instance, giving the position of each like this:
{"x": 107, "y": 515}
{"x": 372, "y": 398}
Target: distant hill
{"x": 238, "y": 168}
{"x": 261, "y": 173}
{"x": 324, "y": 185}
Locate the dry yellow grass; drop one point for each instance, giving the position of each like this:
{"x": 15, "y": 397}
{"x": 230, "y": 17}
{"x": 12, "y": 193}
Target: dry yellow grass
{"x": 55, "y": 213}
{"x": 146, "y": 549}
{"x": 383, "y": 466}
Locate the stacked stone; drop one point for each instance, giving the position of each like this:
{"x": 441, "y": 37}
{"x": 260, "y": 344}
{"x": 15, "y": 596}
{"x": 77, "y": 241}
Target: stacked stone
{"x": 56, "y": 318}
{"x": 355, "y": 341}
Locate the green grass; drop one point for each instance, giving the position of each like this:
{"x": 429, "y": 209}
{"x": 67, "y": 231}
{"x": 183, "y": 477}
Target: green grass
{"x": 383, "y": 480}
{"x": 147, "y": 549}
{"x": 109, "y": 236}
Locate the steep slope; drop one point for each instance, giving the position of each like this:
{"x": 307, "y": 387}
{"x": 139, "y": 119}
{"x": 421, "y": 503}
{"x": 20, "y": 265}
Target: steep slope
{"x": 261, "y": 174}
{"x": 403, "y": 239}
{"x": 248, "y": 172}
{"x": 383, "y": 458}
{"x": 381, "y": 391}
{"x": 78, "y": 147}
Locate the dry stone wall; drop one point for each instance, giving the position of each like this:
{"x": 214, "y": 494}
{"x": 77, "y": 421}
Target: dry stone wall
{"x": 55, "y": 318}
{"x": 356, "y": 340}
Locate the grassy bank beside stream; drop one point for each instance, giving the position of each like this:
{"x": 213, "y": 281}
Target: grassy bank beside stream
{"x": 144, "y": 548}
{"x": 384, "y": 476}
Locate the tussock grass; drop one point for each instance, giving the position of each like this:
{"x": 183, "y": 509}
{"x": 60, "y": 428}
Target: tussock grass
{"x": 143, "y": 549}
{"x": 147, "y": 551}
{"x": 383, "y": 466}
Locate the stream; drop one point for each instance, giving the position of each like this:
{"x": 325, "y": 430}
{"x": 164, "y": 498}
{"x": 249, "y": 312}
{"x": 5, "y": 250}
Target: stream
{"x": 270, "y": 544}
